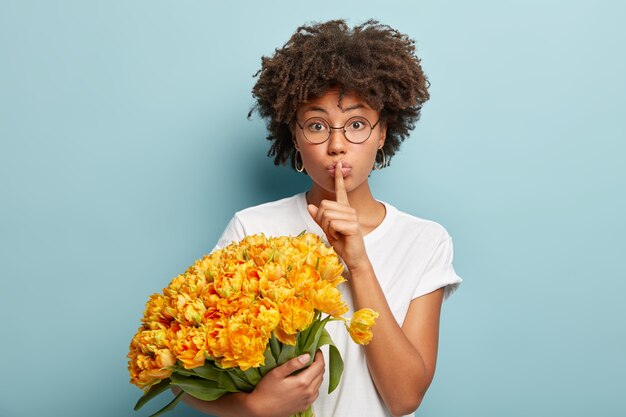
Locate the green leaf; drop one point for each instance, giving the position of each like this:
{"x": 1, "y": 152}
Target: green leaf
{"x": 335, "y": 365}
{"x": 170, "y": 406}
{"x": 208, "y": 371}
{"x": 253, "y": 375}
{"x": 302, "y": 233}
{"x": 227, "y": 383}
{"x": 152, "y": 392}
{"x": 275, "y": 346}
{"x": 288, "y": 352}
{"x": 203, "y": 389}
{"x": 312, "y": 341}
{"x": 270, "y": 362}
{"x": 240, "y": 380}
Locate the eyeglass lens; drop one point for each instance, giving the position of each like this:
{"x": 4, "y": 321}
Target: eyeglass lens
{"x": 356, "y": 130}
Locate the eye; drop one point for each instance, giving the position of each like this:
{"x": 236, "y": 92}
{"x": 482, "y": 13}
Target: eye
{"x": 316, "y": 126}
{"x": 356, "y": 124}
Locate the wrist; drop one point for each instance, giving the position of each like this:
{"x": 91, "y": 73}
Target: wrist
{"x": 249, "y": 405}
{"x": 360, "y": 266}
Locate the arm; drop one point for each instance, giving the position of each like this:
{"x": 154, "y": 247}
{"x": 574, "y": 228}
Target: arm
{"x": 279, "y": 394}
{"x": 414, "y": 345}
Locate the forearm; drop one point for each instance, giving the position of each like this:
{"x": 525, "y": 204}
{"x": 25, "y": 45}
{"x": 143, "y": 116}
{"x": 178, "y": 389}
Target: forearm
{"x": 401, "y": 391}
{"x": 229, "y": 405}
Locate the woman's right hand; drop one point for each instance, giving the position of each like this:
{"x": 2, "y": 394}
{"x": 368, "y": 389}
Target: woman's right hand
{"x": 280, "y": 393}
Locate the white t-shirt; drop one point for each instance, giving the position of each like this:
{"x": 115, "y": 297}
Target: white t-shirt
{"x": 411, "y": 257}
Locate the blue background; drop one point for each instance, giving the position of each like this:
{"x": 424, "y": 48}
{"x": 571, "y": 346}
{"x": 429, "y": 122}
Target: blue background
{"x": 125, "y": 149}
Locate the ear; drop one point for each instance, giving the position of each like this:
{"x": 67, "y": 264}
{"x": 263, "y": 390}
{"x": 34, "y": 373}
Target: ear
{"x": 293, "y": 135}
{"x": 383, "y": 134}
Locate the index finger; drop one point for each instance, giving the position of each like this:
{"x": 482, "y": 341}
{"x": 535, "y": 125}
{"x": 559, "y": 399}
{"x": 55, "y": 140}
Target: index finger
{"x": 341, "y": 195}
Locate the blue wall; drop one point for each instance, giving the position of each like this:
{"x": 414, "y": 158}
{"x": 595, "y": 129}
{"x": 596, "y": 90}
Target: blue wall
{"x": 125, "y": 148}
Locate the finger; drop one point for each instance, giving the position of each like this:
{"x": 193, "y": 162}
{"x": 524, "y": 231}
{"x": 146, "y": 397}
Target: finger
{"x": 313, "y": 210}
{"x": 319, "y": 357}
{"x": 328, "y": 219}
{"x": 315, "y": 370}
{"x": 293, "y": 365}
{"x": 341, "y": 195}
{"x": 342, "y": 227}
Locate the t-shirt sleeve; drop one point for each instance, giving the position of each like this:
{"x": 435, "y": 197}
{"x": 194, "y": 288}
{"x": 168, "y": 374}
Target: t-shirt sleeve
{"x": 439, "y": 272}
{"x": 234, "y": 232}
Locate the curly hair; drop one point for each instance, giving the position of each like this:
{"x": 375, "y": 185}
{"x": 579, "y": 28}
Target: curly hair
{"x": 373, "y": 60}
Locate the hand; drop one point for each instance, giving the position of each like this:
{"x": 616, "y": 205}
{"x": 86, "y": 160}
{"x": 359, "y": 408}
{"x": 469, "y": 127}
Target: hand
{"x": 340, "y": 223}
{"x": 280, "y": 393}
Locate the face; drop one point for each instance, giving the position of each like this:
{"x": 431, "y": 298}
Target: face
{"x": 320, "y": 159}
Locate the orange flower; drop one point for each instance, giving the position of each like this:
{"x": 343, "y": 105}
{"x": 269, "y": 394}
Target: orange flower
{"x": 189, "y": 346}
{"x": 187, "y": 283}
{"x": 250, "y": 284}
{"x": 272, "y": 271}
{"x": 149, "y": 357}
{"x": 327, "y": 299}
{"x": 234, "y": 304}
{"x": 264, "y": 315}
{"x": 247, "y": 345}
{"x": 360, "y": 328}
{"x": 277, "y": 291}
{"x": 303, "y": 278}
{"x": 330, "y": 269}
{"x": 206, "y": 267}
{"x": 229, "y": 280}
{"x": 296, "y": 314}
{"x": 156, "y": 315}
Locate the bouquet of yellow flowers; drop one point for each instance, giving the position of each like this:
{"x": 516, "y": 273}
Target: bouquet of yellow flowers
{"x": 239, "y": 312}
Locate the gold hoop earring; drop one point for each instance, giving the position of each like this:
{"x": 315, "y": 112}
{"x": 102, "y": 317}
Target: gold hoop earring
{"x": 383, "y": 163}
{"x": 295, "y": 162}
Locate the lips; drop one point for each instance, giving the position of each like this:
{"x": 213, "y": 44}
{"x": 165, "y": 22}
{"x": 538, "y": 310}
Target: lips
{"x": 345, "y": 168}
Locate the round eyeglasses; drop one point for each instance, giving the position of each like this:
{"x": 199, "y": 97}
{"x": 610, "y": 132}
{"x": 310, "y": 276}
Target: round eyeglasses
{"x": 356, "y": 130}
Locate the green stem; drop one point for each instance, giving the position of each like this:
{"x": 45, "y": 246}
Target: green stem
{"x": 306, "y": 413}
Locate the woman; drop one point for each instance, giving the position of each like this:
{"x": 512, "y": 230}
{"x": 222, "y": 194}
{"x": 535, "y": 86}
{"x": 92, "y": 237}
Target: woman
{"x": 339, "y": 102}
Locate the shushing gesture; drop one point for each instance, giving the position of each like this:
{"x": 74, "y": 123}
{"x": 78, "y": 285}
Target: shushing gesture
{"x": 340, "y": 223}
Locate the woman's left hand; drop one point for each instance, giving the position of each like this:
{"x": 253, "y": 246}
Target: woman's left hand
{"x": 340, "y": 223}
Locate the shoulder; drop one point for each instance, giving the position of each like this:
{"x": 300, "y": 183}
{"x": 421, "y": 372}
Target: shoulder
{"x": 283, "y": 207}
{"x": 415, "y": 228}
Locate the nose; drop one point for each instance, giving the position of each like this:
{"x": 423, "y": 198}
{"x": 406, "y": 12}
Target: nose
{"x": 337, "y": 142}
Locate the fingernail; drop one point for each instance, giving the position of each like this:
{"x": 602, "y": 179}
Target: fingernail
{"x": 304, "y": 358}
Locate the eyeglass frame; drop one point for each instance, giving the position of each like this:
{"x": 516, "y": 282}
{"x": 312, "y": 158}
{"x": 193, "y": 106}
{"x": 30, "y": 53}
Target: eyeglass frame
{"x": 343, "y": 128}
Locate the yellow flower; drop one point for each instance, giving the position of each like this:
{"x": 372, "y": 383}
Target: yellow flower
{"x": 234, "y": 304}
{"x": 327, "y": 299}
{"x": 296, "y": 314}
{"x": 187, "y": 283}
{"x": 360, "y": 328}
{"x": 330, "y": 269}
{"x": 229, "y": 280}
{"x": 189, "y": 346}
{"x": 156, "y": 315}
{"x": 217, "y": 342}
{"x": 250, "y": 284}
{"x": 149, "y": 357}
{"x": 264, "y": 315}
{"x": 303, "y": 278}
{"x": 277, "y": 291}
{"x": 272, "y": 271}
{"x": 190, "y": 312}
{"x": 247, "y": 345}
{"x": 206, "y": 267}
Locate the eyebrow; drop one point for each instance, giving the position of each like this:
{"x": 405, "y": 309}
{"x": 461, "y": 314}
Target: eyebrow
{"x": 320, "y": 109}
